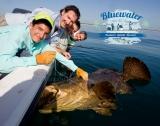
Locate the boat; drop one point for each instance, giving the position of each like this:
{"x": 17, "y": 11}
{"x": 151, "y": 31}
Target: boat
{"x": 19, "y": 93}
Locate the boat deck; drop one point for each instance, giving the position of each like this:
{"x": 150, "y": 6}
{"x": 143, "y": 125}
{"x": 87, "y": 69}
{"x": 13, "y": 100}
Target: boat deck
{"x": 18, "y": 90}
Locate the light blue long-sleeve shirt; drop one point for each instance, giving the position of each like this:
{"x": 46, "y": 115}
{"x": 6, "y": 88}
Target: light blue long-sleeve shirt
{"x": 16, "y": 37}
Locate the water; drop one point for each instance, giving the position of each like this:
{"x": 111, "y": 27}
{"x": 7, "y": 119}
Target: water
{"x": 140, "y": 108}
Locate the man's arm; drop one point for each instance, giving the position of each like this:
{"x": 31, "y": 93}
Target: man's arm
{"x": 9, "y": 63}
{"x": 68, "y": 63}
{"x": 11, "y": 40}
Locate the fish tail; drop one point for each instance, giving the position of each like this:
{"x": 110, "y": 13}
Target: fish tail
{"x": 135, "y": 69}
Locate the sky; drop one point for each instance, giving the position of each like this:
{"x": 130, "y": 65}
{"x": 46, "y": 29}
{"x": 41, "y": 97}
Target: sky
{"x": 91, "y": 9}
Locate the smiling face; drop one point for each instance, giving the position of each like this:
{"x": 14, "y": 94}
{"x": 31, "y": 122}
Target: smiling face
{"x": 39, "y": 32}
{"x": 68, "y": 19}
{"x": 79, "y": 36}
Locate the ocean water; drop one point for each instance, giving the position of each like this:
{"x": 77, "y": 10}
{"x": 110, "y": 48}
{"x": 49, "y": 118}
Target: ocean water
{"x": 142, "y": 107}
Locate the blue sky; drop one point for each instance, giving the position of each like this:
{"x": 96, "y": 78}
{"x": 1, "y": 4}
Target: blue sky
{"x": 91, "y": 9}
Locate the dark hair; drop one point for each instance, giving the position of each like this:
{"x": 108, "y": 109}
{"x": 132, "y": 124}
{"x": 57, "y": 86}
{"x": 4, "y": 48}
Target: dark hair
{"x": 73, "y": 8}
{"x": 44, "y": 21}
{"x": 78, "y": 24}
{"x": 84, "y": 32}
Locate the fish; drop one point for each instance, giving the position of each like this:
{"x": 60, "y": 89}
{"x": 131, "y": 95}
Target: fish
{"x": 98, "y": 93}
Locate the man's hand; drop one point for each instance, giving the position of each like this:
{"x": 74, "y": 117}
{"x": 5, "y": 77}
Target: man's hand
{"x": 67, "y": 55}
{"x": 81, "y": 73}
{"x": 45, "y": 57}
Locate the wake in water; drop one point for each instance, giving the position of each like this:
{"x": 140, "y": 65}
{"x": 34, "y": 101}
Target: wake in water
{"x": 122, "y": 41}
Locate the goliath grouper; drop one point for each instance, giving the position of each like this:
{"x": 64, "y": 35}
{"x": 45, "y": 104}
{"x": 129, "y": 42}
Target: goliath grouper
{"x": 98, "y": 93}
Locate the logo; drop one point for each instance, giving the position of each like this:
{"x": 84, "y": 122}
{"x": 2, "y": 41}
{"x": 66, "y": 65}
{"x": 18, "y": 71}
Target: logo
{"x": 122, "y": 27}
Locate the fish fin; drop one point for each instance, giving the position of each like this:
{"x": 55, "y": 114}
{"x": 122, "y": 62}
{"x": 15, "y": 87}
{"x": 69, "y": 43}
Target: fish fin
{"x": 106, "y": 111}
{"x": 45, "y": 111}
{"x": 135, "y": 69}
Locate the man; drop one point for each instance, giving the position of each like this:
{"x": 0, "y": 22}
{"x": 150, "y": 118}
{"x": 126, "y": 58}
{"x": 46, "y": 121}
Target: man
{"x": 64, "y": 39}
{"x": 67, "y": 17}
{"x": 78, "y": 36}
{"x": 31, "y": 38}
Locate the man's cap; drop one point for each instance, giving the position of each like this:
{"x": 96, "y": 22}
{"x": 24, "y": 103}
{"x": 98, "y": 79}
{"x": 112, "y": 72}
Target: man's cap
{"x": 43, "y": 15}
